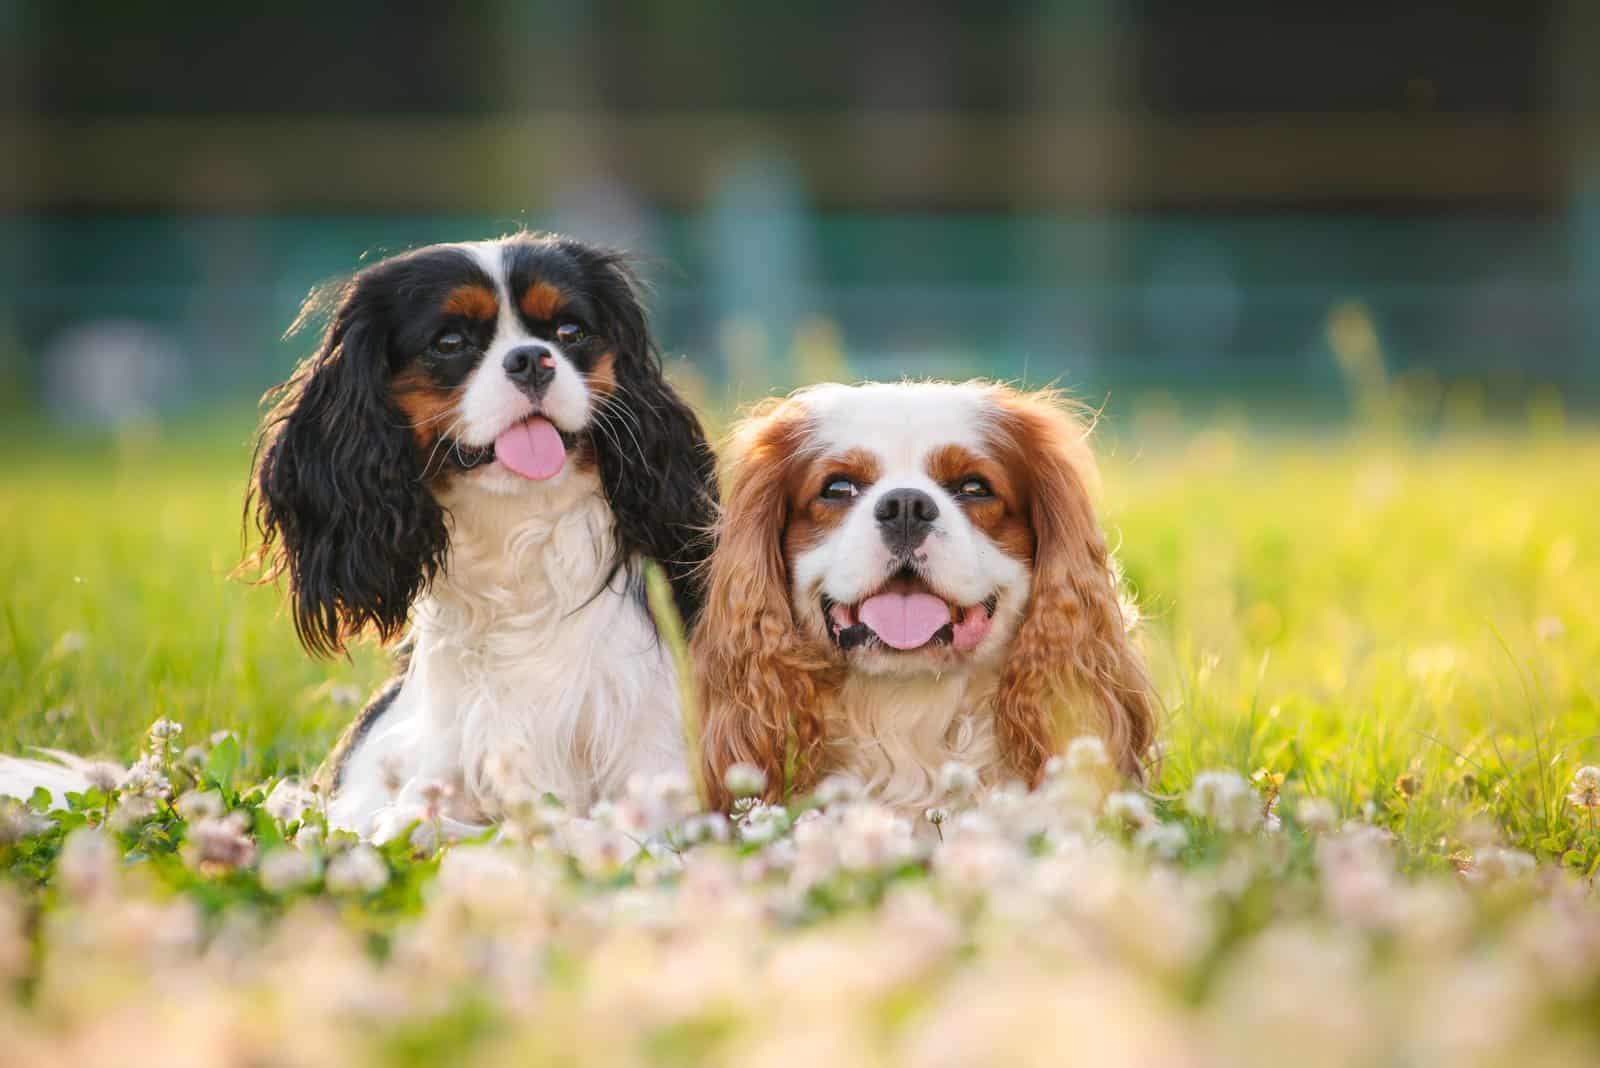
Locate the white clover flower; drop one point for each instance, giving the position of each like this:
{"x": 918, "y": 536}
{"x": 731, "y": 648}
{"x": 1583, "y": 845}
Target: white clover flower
{"x": 103, "y": 775}
{"x": 131, "y": 813}
{"x": 673, "y": 796}
{"x": 147, "y": 779}
{"x": 651, "y": 804}
{"x": 871, "y": 836}
{"x": 1498, "y": 864}
{"x": 214, "y": 843}
{"x": 289, "y": 801}
{"x": 1585, "y": 790}
{"x": 1316, "y": 814}
{"x": 957, "y": 780}
{"x": 1225, "y": 800}
{"x": 977, "y": 862}
{"x": 837, "y": 789}
{"x": 744, "y": 780}
{"x": 87, "y": 866}
{"x": 628, "y": 815}
{"x": 1129, "y": 807}
{"x": 811, "y": 851}
{"x": 358, "y": 870}
{"x": 705, "y": 827}
{"x": 165, "y": 730}
{"x": 283, "y": 870}
{"x": 531, "y": 817}
{"x": 1086, "y": 753}
{"x": 1356, "y": 868}
{"x": 197, "y": 805}
{"x": 598, "y": 849}
{"x": 763, "y": 823}
{"x": 18, "y": 821}
{"x": 1164, "y": 840}
{"x": 936, "y": 816}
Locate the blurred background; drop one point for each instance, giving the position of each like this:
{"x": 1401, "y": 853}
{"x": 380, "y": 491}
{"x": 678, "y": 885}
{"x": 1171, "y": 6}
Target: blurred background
{"x": 1293, "y": 208}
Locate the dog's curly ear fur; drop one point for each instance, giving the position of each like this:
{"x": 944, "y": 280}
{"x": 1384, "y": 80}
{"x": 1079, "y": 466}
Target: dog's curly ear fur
{"x": 657, "y": 468}
{"x": 337, "y": 494}
{"x": 1073, "y": 664}
{"x": 758, "y": 676}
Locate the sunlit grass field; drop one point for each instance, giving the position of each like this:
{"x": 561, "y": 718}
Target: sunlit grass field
{"x": 1407, "y": 622}
{"x": 1372, "y": 840}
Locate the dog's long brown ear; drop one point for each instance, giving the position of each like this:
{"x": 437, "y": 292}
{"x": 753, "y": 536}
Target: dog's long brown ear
{"x": 759, "y": 677}
{"x": 1073, "y": 666}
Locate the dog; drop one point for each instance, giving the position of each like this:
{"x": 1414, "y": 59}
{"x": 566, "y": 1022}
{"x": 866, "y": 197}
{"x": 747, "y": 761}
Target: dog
{"x": 909, "y": 574}
{"x": 481, "y": 456}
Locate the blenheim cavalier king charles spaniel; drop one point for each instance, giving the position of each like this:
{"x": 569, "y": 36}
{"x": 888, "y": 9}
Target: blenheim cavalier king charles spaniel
{"x": 481, "y": 455}
{"x": 909, "y": 574}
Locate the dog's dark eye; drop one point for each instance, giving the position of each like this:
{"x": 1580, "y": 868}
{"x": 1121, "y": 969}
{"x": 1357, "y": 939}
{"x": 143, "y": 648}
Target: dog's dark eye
{"x": 570, "y": 333}
{"x": 839, "y": 489}
{"x": 450, "y": 343}
{"x": 974, "y": 489}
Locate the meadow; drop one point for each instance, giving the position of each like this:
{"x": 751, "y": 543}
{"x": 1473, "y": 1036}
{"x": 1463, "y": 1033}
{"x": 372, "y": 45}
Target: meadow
{"x": 1373, "y": 838}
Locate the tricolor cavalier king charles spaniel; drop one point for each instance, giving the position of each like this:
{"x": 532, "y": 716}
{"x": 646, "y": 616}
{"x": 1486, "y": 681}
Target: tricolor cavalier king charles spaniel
{"x": 908, "y": 574}
{"x": 480, "y": 456}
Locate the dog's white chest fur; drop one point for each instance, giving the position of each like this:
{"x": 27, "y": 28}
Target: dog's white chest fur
{"x": 526, "y": 677}
{"x": 894, "y": 734}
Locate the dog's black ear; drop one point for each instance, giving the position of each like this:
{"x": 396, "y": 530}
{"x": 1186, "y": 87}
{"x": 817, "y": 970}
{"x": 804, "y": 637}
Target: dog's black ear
{"x": 658, "y": 470}
{"x": 338, "y": 494}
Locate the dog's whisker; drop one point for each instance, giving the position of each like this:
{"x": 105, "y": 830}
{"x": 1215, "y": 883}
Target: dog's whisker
{"x": 428, "y": 469}
{"x": 601, "y": 419}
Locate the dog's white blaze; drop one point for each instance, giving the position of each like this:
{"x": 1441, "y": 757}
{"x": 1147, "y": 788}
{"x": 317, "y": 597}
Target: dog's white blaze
{"x": 490, "y": 401}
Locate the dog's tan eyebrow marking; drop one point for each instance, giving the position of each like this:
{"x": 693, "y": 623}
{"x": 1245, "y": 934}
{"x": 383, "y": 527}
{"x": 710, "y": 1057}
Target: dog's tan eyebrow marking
{"x": 950, "y": 462}
{"x": 472, "y": 302}
{"x": 542, "y": 301}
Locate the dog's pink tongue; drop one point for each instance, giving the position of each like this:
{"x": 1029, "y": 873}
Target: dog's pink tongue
{"x": 904, "y": 620}
{"x": 532, "y": 449}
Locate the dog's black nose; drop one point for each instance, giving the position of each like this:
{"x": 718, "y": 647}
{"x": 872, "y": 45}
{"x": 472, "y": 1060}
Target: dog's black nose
{"x": 905, "y": 517}
{"x": 531, "y": 366}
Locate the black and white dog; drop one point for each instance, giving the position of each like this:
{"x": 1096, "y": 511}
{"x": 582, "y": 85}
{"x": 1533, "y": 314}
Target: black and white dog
{"x": 479, "y": 457}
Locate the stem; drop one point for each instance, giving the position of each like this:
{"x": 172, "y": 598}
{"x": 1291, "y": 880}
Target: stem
{"x": 669, "y": 626}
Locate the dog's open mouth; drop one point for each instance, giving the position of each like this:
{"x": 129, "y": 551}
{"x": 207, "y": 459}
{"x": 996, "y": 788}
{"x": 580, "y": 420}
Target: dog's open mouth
{"x": 537, "y": 460}
{"x": 906, "y": 615}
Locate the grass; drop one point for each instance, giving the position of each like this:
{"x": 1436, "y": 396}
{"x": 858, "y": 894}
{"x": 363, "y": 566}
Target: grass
{"x": 120, "y": 607}
{"x": 1404, "y": 621}
{"x": 1381, "y": 658}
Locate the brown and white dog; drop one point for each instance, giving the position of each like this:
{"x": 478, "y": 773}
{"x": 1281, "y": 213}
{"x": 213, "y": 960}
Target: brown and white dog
{"x": 909, "y": 574}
